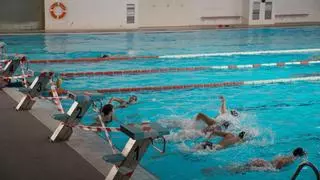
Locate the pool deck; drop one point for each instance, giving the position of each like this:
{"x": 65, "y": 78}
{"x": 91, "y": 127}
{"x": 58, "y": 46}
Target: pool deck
{"x": 26, "y": 152}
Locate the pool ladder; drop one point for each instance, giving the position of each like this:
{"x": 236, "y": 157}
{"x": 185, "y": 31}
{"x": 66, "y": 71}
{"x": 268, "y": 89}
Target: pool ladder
{"x": 302, "y": 165}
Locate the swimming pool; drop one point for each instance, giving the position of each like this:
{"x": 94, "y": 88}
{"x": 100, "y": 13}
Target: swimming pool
{"x": 279, "y": 117}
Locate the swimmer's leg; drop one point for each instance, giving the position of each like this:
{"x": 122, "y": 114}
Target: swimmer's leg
{"x": 206, "y": 119}
{"x": 239, "y": 169}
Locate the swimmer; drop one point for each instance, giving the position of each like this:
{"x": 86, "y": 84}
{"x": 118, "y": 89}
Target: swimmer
{"x": 277, "y": 163}
{"x": 212, "y": 123}
{"x": 105, "y": 56}
{"x": 228, "y": 140}
{"x": 123, "y": 104}
{"x": 106, "y": 113}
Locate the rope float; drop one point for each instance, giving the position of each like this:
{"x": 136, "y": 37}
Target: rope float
{"x": 179, "y": 56}
{"x": 98, "y": 128}
{"x": 91, "y": 60}
{"x": 162, "y": 70}
{"x": 210, "y": 85}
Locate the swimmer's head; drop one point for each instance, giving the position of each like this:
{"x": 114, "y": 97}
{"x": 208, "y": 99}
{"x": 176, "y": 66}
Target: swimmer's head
{"x": 133, "y": 99}
{"x": 107, "y": 109}
{"x": 241, "y": 134}
{"x": 226, "y": 124}
{"x": 234, "y": 113}
{"x": 298, "y": 152}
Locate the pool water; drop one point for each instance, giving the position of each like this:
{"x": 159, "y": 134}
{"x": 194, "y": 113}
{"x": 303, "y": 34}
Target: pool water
{"x": 277, "y": 117}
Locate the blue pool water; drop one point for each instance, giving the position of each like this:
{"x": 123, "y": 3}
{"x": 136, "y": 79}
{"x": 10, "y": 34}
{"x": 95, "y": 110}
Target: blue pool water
{"x": 278, "y": 117}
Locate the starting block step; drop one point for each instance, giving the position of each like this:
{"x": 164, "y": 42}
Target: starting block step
{"x": 61, "y": 117}
{"x": 24, "y": 90}
{"x": 114, "y": 158}
{"x": 144, "y": 130}
{"x": 125, "y": 171}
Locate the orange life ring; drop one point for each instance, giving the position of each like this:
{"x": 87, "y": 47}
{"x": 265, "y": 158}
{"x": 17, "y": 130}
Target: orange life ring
{"x": 62, "y": 8}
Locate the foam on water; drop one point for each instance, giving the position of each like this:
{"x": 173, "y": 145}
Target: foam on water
{"x": 187, "y": 134}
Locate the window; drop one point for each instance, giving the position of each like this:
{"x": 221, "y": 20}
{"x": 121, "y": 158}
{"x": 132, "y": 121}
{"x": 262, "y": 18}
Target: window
{"x": 268, "y": 12}
{"x": 256, "y": 11}
{"x": 130, "y": 13}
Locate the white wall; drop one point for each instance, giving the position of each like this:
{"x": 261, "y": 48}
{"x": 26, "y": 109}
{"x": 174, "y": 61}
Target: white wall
{"x": 187, "y": 12}
{"x": 90, "y": 15}
{"x": 310, "y": 7}
{"x": 111, "y": 14}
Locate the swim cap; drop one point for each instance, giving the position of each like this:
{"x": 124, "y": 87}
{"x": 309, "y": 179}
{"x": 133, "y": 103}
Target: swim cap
{"x": 298, "y": 152}
{"x": 106, "y": 109}
{"x": 241, "y": 134}
{"x": 226, "y": 124}
{"x": 234, "y": 113}
{"x": 133, "y": 97}
{"x": 207, "y": 144}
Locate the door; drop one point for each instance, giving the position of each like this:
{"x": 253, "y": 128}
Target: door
{"x": 261, "y": 12}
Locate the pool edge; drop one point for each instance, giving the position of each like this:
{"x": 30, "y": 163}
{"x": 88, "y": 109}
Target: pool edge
{"x": 87, "y": 144}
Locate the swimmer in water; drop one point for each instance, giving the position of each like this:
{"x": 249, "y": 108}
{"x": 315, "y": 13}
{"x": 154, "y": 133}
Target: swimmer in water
{"x": 277, "y": 163}
{"x": 228, "y": 140}
{"x": 212, "y": 123}
{"x": 123, "y": 104}
{"x": 105, "y": 56}
{"x": 107, "y": 115}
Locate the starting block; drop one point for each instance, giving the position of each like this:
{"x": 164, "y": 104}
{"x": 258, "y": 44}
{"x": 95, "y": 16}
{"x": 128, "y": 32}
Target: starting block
{"x": 72, "y": 118}
{"x": 36, "y": 88}
{"x": 144, "y": 130}
{"x": 141, "y": 136}
{"x": 2, "y": 49}
{"x": 12, "y": 65}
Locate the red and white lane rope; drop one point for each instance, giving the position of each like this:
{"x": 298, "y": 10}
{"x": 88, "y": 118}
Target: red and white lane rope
{"x": 197, "y": 86}
{"x": 19, "y": 77}
{"x": 4, "y": 61}
{"x": 24, "y": 81}
{"x": 52, "y": 98}
{"x": 114, "y": 150}
{"x": 56, "y": 98}
{"x": 199, "y": 68}
{"x": 99, "y": 128}
{"x": 178, "y": 56}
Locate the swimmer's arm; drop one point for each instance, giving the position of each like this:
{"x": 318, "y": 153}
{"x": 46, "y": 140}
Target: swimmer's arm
{"x": 117, "y": 100}
{"x": 279, "y": 163}
{"x": 223, "y": 108}
{"x": 219, "y": 133}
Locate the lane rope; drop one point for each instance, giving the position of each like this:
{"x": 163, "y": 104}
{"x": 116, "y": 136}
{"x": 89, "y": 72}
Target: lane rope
{"x": 178, "y": 56}
{"x": 200, "y": 86}
{"x": 199, "y": 68}
{"x": 56, "y": 98}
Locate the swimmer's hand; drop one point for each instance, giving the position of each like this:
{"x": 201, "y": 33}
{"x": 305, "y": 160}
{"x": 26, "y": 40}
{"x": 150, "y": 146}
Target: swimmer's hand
{"x": 221, "y": 98}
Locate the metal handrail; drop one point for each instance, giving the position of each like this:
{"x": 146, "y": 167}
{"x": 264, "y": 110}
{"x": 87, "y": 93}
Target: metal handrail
{"x": 313, "y": 167}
